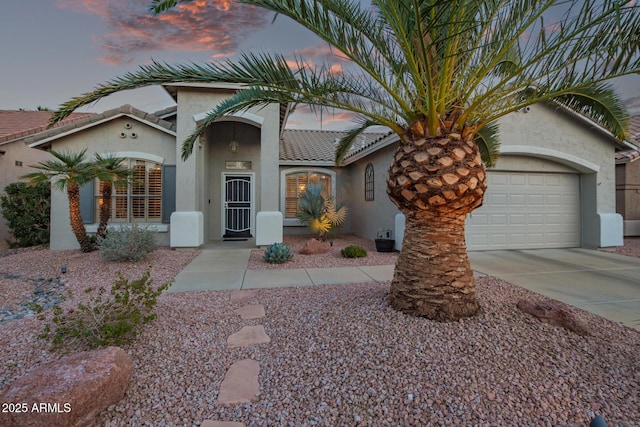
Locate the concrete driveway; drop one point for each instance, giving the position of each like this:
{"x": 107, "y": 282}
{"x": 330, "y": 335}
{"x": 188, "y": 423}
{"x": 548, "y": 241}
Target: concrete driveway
{"x": 600, "y": 282}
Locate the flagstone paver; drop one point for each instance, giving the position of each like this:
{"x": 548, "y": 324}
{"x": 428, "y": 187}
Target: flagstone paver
{"x": 240, "y": 384}
{"x": 248, "y": 335}
{"x": 251, "y": 311}
{"x": 211, "y": 423}
{"x": 243, "y": 295}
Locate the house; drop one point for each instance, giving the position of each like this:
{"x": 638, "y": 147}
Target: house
{"x": 628, "y": 183}
{"x": 15, "y": 156}
{"x": 553, "y": 186}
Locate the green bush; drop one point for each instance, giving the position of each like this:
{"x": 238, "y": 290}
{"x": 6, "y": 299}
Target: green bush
{"x": 26, "y": 208}
{"x": 353, "y": 252}
{"x": 127, "y": 243}
{"x": 108, "y": 319}
{"x": 277, "y": 253}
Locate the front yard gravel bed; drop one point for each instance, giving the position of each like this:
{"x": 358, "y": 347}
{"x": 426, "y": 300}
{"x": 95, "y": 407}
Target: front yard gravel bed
{"x": 340, "y": 356}
{"x": 329, "y": 259}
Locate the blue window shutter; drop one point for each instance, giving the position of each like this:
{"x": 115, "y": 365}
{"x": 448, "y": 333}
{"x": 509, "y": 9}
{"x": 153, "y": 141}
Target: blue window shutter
{"x": 87, "y": 201}
{"x": 168, "y": 192}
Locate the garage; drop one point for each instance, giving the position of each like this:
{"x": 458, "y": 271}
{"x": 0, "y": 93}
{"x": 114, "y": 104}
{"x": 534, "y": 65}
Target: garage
{"x": 527, "y": 210}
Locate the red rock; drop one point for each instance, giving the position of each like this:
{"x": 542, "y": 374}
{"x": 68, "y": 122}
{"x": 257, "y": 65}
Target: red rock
{"x": 314, "y": 247}
{"x": 554, "y": 312}
{"x": 240, "y": 384}
{"x": 70, "y": 391}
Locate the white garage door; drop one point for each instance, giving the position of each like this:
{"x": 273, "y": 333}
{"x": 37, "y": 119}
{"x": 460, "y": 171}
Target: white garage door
{"x": 526, "y": 210}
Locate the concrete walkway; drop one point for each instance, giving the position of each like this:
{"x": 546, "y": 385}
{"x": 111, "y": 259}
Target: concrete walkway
{"x": 219, "y": 269}
{"x": 603, "y": 283}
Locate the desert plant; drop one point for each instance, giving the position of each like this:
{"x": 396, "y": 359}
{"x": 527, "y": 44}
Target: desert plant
{"x": 67, "y": 171}
{"x": 109, "y": 318}
{"x": 111, "y": 171}
{"x": 127, "y": 243}
{"x": 318, "y": 211}
{"x": 277, "y": 253}
{"x": 26, "y": 210}
{"x": 353, "y": 251}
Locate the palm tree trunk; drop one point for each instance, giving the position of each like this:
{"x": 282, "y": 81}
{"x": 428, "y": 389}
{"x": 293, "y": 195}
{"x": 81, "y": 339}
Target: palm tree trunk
{"x": 105, "y": 210}
{"x": 435, "y": 182}
{"x": 433, "y": 277}
{"x": 77, "y": 224}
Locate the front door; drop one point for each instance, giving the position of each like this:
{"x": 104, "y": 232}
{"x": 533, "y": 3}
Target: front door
{"x": 238, "y": 205}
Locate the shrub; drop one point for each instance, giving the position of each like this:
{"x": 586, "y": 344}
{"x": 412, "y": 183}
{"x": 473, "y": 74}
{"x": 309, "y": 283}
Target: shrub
{"x": 353, "y": 252}
{"x": 127, "y": 243}
{"x": 26, "y": 209}
{"x": 277, "y": 253}
{"x": 109, "y": 318}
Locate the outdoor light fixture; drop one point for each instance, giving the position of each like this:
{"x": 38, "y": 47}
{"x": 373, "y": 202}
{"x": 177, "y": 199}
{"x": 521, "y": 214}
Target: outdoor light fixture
{"x": 233, "y": 145}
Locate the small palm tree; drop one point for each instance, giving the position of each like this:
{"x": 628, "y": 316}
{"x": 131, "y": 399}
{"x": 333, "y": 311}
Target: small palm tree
{"x": 438, "y": 73}
{"x": 111, "y": 171}
{"x": 68, "y": 171}
{"x": 318, "y": 211}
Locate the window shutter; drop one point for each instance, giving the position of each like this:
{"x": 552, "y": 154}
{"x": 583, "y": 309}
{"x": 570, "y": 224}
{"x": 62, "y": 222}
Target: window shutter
{"x": 168, "y": 192}
{"x": 87, "y": 199}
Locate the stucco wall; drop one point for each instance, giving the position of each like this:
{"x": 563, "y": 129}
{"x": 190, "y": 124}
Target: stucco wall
{"x": 371, "y": 216}
{"x": 13, "y": 164}
{"x": 199, "y": 176}
{"x": 150, "y": 143}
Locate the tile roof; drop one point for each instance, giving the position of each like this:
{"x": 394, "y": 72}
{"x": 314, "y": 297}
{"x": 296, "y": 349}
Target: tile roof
{"x": 631, "y": 155}
{"x": 317, "y": 145}
{"x": 17, "y": 124}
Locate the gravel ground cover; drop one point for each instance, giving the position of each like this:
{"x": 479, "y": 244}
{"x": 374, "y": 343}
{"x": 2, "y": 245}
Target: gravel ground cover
{"x": 339, "y": 356}
{"x": 330, "y": 259}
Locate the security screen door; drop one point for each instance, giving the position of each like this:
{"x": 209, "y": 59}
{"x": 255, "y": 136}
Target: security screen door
{"x": 238, "y": 205}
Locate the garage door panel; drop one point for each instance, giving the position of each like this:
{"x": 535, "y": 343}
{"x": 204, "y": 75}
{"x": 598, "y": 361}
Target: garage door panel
{"x": 527, "y": 210}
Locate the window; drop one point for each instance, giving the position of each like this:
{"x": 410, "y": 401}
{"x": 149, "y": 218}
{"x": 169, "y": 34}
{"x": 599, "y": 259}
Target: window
{"x": 368, "y": 182}
{"x": 140, "y": 200}
{"x": 295, "y": 181}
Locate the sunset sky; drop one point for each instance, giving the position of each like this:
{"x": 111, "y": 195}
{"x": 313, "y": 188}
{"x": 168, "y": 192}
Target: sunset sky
{"x": 53, "y": 50}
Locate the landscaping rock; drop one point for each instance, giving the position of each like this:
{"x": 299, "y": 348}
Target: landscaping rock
{"x": 70, "y": 391}
{"x": 314, "y": 247}
{"x": 248, "y": 335}
{"x": 251, "y": 311}
{"x": 555, "y": 313}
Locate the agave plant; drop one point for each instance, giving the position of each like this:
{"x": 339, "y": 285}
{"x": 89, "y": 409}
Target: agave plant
{"x": 318, "y": 211}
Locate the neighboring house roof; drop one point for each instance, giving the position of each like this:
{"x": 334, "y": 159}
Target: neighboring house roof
{"x": 18, "y": 124}
{"x": 317, "y": 146}
{"x": 631, "y": 155}
{"x": 43, "y": 139}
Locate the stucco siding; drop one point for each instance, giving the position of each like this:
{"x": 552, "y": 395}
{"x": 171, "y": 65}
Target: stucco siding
{"x": 149, "y": 143}
{"x": 378, "y": 214}
{"x": 13, "y": 164}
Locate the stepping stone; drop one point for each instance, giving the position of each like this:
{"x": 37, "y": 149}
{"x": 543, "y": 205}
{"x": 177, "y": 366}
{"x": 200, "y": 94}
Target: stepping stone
{"x": 251, "y": 311}
{"x": 242, "y": 295}
{"x": 211, "y": 423}
{"x": 240, "y": 383}
{"x": 248, "y": 335}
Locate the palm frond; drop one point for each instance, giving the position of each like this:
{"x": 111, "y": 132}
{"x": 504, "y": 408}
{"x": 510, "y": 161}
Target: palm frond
{"x": 489, "y": 144}
{"x": 346, "y": 142}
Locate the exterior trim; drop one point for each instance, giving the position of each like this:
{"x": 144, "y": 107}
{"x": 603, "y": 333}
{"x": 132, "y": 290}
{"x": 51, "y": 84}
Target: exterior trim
{"x": 581, "y": 165}
{"x": 243, "y": 117}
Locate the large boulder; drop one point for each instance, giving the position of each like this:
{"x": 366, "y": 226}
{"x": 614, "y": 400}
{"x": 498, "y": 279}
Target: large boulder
{"x": 314, "y": 247}
{"x": 70, "y": 391}
{"x": 555, "y": 313}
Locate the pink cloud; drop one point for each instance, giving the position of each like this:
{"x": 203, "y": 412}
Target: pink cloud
{"x": 202, "y": 25}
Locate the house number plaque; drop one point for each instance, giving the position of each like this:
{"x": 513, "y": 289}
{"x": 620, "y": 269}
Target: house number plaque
{"x": 236, "y": 165}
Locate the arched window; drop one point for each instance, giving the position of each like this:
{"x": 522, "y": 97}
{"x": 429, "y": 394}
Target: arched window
{"x": 295, "y": 181}
{"x": 368, "y": 182}
{"x": 141, "y": 199}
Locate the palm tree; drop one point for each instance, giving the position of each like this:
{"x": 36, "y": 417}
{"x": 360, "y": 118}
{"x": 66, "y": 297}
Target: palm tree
{"x": 67, "y": 171}
{"x": 111, "y": 171}
{"x": 438, "y": 73}
{"x": 318, "y": 211}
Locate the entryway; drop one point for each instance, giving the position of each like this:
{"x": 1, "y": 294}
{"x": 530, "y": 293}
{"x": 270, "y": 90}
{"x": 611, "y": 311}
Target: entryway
{"x": 237, "y": 207}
